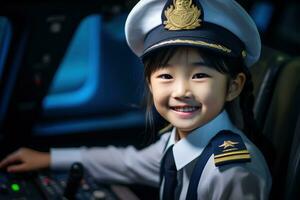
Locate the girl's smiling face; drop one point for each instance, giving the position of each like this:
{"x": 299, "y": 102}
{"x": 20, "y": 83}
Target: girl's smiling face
{"x": 187, "y": 92}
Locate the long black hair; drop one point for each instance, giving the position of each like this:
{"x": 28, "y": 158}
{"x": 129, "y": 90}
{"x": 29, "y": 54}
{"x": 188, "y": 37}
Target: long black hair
{"x": 240, "y": 110}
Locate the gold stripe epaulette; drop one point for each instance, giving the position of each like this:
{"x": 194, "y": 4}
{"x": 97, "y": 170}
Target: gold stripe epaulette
{"x": 232, "y": 156}
{"x": 229, "y": 147}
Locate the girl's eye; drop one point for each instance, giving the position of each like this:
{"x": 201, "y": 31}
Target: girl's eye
{"x": 200, "y": 75}
{"x": 165, "y": 76}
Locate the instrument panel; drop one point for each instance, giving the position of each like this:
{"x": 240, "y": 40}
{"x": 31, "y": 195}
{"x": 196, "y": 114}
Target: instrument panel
{"x": 51, "y": 185}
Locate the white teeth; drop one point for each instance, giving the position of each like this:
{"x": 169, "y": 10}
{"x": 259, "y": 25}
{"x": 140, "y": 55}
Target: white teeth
{"x": 186, "y": 109}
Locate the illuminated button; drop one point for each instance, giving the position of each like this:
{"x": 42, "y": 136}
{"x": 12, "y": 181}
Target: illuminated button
{"x": 15, "y": 187}
{"x": 98, "y": 195}
{"x": 46, "y": 181}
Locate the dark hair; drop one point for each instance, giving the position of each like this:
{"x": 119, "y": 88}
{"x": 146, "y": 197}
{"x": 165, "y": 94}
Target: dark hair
{"x": 242, "y": 116}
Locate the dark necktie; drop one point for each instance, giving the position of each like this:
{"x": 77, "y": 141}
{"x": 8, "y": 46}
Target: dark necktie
{"x": 170, "y": 175}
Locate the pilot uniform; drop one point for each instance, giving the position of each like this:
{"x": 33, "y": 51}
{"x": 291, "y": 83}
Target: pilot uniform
{"x": 215, "y": 161}
{"x": 236, "y": 180}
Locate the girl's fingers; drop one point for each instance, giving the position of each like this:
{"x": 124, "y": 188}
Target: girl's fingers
{"x": 16, "y": 168}
{"x": 14, "y": 157}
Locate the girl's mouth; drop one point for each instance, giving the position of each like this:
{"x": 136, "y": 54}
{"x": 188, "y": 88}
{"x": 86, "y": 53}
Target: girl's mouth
{"x": 185, "y": 109}
{"x": 185, "y": 112}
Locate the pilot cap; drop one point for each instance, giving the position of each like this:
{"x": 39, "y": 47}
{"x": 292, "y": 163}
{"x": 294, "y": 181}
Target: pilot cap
{"x": 221, "y": 26}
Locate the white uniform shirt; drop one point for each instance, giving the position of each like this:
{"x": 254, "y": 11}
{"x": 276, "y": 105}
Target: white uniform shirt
{"x": 251, "y": 180}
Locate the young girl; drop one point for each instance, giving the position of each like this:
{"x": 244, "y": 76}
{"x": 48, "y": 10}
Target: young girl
{"x": 196, "y": 55}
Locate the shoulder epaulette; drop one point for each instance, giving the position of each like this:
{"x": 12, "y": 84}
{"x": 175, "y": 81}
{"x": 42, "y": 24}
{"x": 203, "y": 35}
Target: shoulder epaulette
{"x": 229, "y": 147}
{"x": 165, "y": 129}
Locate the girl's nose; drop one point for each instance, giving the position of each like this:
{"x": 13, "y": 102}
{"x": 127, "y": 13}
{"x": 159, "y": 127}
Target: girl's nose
{"x": 182, "y": 90}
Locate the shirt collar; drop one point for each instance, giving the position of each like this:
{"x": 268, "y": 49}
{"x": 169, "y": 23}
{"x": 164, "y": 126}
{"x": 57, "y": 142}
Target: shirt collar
{"x": 190, "y": 147}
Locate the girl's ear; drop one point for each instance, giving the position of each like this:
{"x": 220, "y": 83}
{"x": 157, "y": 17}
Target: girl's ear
{"x": 235, "y": 87}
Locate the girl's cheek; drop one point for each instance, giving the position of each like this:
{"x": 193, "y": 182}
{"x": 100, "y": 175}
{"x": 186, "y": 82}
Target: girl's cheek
{"x": 160, "y": 97}
{"x": 210, "y": 94}
{"x": 204, "y": 92}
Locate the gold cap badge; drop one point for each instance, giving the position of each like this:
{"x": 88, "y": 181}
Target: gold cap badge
{"x": 182, "y": 15}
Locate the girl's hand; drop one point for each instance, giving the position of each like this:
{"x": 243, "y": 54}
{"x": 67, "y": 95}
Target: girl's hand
{"x": 24, "y": 160}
